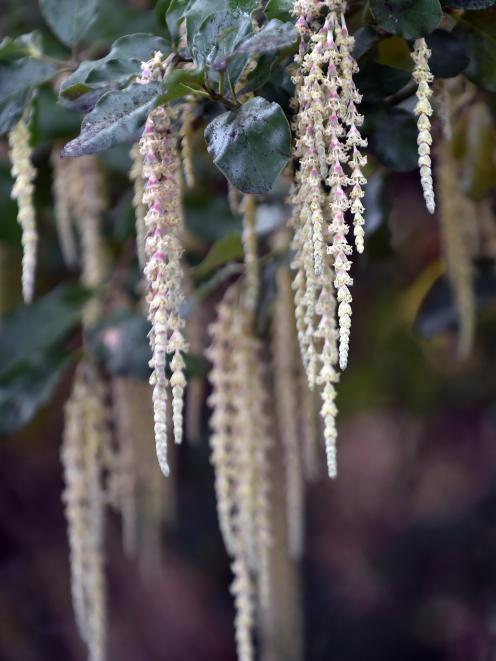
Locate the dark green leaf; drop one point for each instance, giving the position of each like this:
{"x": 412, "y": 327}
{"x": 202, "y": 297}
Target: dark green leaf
{"x": 27, "y": 389}
{"x": 199, "y": 10}
{"x": 449, "y": 57}
{"x": 27, "y": 45}
{"x": 181, "y": 82}
{"x": 376, "y": 81}
{"x": 438, "y": 312}
{"x": 365, "y": 38}
{"x": 122, "y": 62}
{"x": 468, "y": 4}
{"x": 218, "y": 36}
{"x": 273, "y": 36}
{"x": 409, "y": 18}
{"x": 281, "y": 9}
{"x": 224, "y": 250}
{"x": 35, "y": 328}
{"x": 209, "y": 216}
{"x": 478, "y": 33}
{"x": 174, "y": 15}
{"x": 17, "y": 80}
{"x": 117, "y": 117}
{"x": 392, "y": 135}
{"x": 251, "y": 145}
{"x": 69, "y": 19}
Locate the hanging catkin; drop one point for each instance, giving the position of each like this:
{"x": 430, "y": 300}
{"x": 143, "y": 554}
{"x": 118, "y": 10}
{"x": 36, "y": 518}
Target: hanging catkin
{"x": 284, "y": 347}
{"x": 84, "y": 506}
{"x": 24, "y": 173}
{"x": 62, "y": 174}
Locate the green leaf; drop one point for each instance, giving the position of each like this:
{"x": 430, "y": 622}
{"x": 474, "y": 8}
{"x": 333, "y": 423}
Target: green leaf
{"x": 199, "y": 10}
{"x": 392, "y": 136}
{"x": 17, "y": 81}
{"x": 27, "y": 45}
{"x": 174, "y": 15}
{"x": 181, "y": 82}
{"x": 208, "y": 216}
{"x": 217, "y": 38}
{"x": 251, "y": 145}
{"x": 122, "y": 62}
{"x": 36, "y": 328}
{"x": 69, "y": 19}
{"x": 275, "y": 35}
{"x": 409, "y": 18}
{"x": 376, "y": 81}
{"x": 365, "y": 38}
{"x": 117, "y": 117}
{"x": 477, "y": 30}
{"x": 224, "y": 250}
{"x": 468, "y": 4}
{"x": 280, "y": 9}
{"x": 27, "y": 389}
{"x": 449, "y": 57}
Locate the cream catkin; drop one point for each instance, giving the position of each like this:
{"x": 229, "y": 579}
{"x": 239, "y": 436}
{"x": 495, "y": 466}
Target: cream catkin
{"x": 240, "y": 440}
{"x": 248, "y": 208}
{"x": 24, "y": 174}
{"x": 328, "y": 148}
{"x": 456, "y": 212}
{"x": 186, "y": 133}
{"x": 423, "y": 77}
{"x": 136, "y": 177}
{"x": 84, "y": 507}
{"x": 163, "y": 272}
{"x": 62, "y": 172}
{"x": 284, "y": 347}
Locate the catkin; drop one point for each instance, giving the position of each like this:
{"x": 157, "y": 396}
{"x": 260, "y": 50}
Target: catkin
{"x": 84, "y": 506}
{"x": 248, "y": 208}
{"x": 24, "y": 174}
{"x": 62, "y": 173}
{"x": 328, "y": 185}
{"x": 136, "y": 177}
{"x": 240, "y": 441}
{"x": 284, "y": 346}
{"x": 456, "y": 216}
{"x": 423, "y": 77}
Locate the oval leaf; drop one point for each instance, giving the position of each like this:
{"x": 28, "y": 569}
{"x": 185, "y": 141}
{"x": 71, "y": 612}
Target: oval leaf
{"x": 409, "y": 18}
{"x": 69, "y": 19}
{"x": 449, "y": 57}
{"x": 251, "y": 145}
{"x": 117, "y": 117}
{"x": 17, "y": 80}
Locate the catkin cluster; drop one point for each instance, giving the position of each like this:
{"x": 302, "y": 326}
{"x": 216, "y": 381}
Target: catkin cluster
{"x": 328, "y": 184}
{"x": 423, "y": 77}
{"x": 24, "y": 173}
{"x": 240, "y": 439}
{"x": 82, "y": 449}
{"x": 163, "y": 272}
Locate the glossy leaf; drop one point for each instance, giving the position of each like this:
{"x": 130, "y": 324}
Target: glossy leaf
{"x": 181, "y": 82}
{"x": 251, "y": 145}
{"x": 199, "y": 10}
{"x": 478, "y": 33}
{"x": 122, "y": 62}
{"x": 376, "y": 81}
{"x": 24, "y": 391}
{"x": 34, "y": 329}
{"x": 117, "y": 117}
{"x": 218, "y": 37}
{"x": 17, "y": 80}
{"x": 409, "y": 18}
{"x": 468, "y": 4}
{"x": 448, "y": 55}
{"x": 365, "y": 38}
{"x": 275, "y": 35}
{"x": 280, "y": 9}
{"x": 224, "y": 250}
{"x": 392, "y": 135}
{"x": 27, "y": 45}
{"x": 69, "y": 19}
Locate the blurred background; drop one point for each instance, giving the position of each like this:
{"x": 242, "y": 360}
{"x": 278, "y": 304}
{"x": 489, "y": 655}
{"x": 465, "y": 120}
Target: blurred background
{"x": 400, "y": 561}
